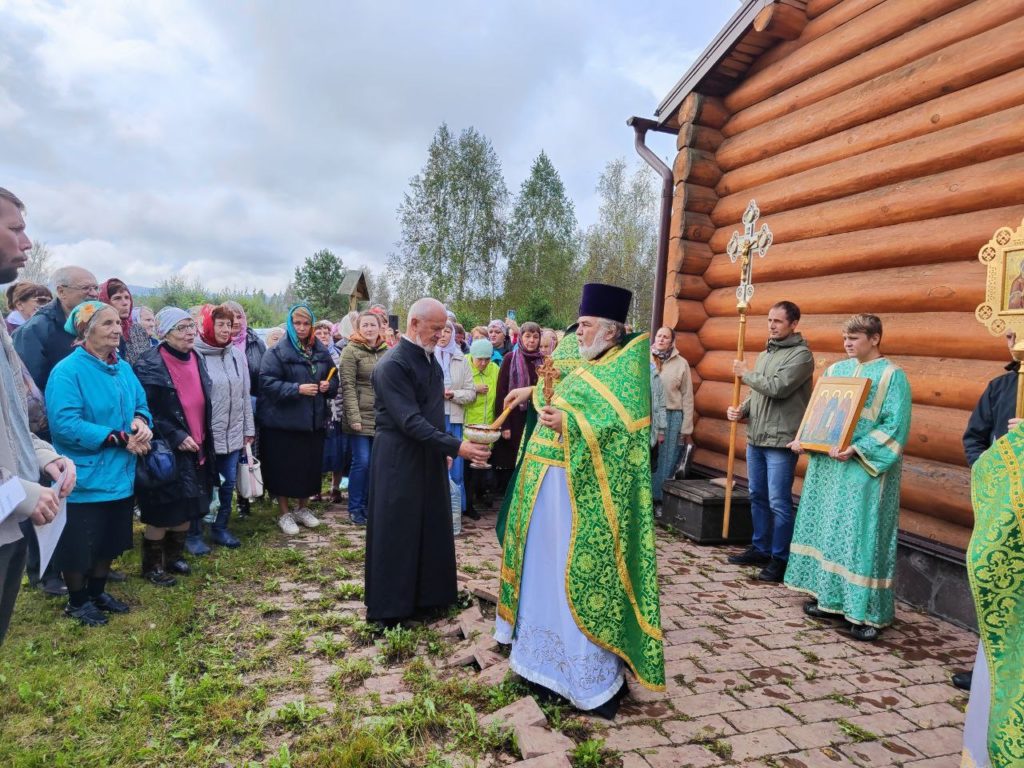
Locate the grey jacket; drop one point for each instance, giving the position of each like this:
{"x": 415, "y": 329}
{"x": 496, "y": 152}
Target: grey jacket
{"x": 13, "y": 405}
{"x": 659, "y": 414}
{"x": 780, "y": 388}
{"x": 232, "y": 407}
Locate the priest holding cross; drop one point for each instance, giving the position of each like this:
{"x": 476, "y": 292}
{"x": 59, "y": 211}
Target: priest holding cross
{"x": 578, "y": 598}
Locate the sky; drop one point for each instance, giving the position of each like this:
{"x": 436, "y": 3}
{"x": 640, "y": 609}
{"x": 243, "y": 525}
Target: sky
{"x": 226, "y": 141}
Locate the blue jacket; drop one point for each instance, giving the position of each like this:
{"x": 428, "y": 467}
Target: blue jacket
{"x": 86, "y": 400}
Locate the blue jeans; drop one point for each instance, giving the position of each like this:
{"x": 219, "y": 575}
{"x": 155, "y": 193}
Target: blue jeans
{"x": 227, "y": 468}
{"x": 456, "y": 473}
{"x": 359, "y": 475}
{"x": 668, "y": 453}
{"x": 770, "y": 474}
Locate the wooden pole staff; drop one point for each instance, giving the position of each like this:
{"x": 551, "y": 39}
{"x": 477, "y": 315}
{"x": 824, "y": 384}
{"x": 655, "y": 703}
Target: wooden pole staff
{"x": 741, "y": 248}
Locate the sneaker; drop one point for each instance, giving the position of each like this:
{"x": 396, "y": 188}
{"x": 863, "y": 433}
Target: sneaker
{"x": 87, "y": 614}
{"x": 774, "y": 572}
{"x": 752, "y": 556}
{"x": 286, "y": 523}
{"x": 306, "y": 518}
{"x": 107, "y": 603}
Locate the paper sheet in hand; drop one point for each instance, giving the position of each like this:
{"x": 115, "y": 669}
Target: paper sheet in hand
{"x": 49, "y": 534}
{"x": 12, "y": 493}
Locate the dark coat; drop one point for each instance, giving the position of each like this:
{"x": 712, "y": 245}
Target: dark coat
{"x": 410, "y": 549}
{"x": 192, "y": 479}
{"x": 279, "y": 405}
{"x": 998, "y": 404}
{"x": 255, "y": 349}
{"x": 505, "y": 452}
{"x": 42, "y": 342}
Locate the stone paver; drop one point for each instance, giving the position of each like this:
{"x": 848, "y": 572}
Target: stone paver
{"x": 536, "y": 741}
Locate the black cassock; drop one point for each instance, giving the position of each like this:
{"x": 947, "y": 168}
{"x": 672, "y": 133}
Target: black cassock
{"x": 410, "y": 549}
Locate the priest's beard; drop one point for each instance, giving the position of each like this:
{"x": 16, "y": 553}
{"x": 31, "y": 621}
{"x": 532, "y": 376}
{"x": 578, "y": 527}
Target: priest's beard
{"x": 596, "y": 349}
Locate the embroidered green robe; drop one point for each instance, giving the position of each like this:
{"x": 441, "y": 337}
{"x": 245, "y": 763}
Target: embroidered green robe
{"x": 611, "y": 578}
{"x": 844, "y": 541}
{"x": 995, "y": 566}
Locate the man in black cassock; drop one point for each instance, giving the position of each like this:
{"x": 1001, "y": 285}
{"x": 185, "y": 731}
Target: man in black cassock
{"x": 410, "y": 548}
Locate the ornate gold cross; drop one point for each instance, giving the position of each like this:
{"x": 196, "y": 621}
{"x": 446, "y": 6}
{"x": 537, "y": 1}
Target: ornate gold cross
{"x": 549, "y": 373}
{"x": 741, "y": 246}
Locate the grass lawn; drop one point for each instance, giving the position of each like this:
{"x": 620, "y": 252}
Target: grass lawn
{"x": 260, "y": 657}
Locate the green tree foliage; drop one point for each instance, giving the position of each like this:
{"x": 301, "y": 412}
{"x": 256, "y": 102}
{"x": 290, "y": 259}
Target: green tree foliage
{"x": 317, "y": 282}
{"x": 621, "y": 247}
{"x": 452, "y": 224}
{"x": 261, "y": 311}
{"x": 542, "y": 246}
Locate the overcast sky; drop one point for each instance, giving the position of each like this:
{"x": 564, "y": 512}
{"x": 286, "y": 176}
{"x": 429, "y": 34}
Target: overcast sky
{"x": 227, "y": 141}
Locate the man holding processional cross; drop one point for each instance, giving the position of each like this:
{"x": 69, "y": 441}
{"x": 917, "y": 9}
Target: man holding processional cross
{"x": 578, "y": 595}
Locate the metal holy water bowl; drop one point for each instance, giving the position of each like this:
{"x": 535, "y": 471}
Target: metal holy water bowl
{"x": 482, "y": 435}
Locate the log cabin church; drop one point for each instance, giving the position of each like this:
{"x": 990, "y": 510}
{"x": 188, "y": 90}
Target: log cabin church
{"x": 883, "y": 141}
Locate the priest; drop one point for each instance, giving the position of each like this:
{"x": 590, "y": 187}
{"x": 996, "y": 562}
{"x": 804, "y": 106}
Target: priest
{"x": 578, "y": 593}
{"x": 410, "y": 551}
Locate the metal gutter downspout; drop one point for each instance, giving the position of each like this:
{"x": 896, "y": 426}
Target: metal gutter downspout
{"x": 640, "y": 127}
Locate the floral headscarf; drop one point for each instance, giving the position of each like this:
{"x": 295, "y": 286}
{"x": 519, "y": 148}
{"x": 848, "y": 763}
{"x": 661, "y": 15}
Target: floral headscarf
{"x": 306, "y": 350}
{"x": 81, "y": 318}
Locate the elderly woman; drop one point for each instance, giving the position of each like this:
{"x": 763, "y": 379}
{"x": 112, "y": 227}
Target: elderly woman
{"x": 98, "y": 418}
{"x": 23, "y": 299}
{"x": 231, "y": 423}
{"x": 364, "y": 349}
{"x": 179, "y": 393}
{"x": 145, "y": 318}
{"x": 335, "y": 443}
{"x": 480, "y": 411}
{"x": 251, "y": 345}
{"x": 674, "y": 372}
{"x": 518, "y": 369}
{"x": 292, "y": 412}
{"x": 274, "y": 336}
{"x": 459, "y": 391}
{"x": 135, "y": 339}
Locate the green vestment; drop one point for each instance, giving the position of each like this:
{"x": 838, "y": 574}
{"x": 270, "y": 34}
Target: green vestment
{"x": 995, "y": 565}
{"x": 844, "y": 541}
{"x": 610, "y": 578}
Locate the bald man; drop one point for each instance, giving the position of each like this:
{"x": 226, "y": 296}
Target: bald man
{"x": 410, "y": 549}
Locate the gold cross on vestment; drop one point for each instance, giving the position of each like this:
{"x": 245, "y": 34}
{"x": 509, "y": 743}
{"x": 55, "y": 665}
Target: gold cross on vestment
{"x": 741, "y": 246}
{"x": 549, "y": 373}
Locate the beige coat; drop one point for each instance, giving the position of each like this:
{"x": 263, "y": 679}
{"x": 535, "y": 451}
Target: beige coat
{"x": 675, "y": 377}
{"x": 463, "y": 388}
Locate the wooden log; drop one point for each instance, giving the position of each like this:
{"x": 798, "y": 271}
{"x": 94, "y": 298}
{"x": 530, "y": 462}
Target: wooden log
{"x": 702, "y": 110}
{"x": 690, "y": 287}
{"x": 985, "y": 185}
{"x": 891, "y": 246}
{"x": 935, "y": 433}
{"x": 930, "y": 334}
{"x": 689, "y": 257}
{"x": 885, "y": 38}
{"x": 690, "y": 315}
{"x": 817, "y": 7}
{"x": 696, "y": 167}
{"x": 780, "y": 20}
{"x": 689, "y": 346}
{"x": 939, "y": 381}
{"x": 989, "y": 137}
{"x": 690, "y": 225}
{"x": 931, "y": 528}
{"x": 985, "y": 98}
{"x": 698, "y": 137}
{"x": 694, "y": 197}
{"x": 957, "y": 66}
{"x": 955, "y": 287}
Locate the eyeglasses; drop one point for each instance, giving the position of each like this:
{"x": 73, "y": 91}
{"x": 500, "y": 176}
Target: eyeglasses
{"x": 86, "y": 288}
{"x": 184, "y": 327}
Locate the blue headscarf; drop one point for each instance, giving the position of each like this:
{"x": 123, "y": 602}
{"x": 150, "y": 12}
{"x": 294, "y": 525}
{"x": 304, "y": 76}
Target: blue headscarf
{"x": 293, "y": 337}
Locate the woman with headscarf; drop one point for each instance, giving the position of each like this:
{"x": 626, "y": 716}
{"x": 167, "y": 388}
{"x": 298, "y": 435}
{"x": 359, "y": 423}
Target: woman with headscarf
{"x": 98, "y": 418}
{"x": 251, "y": 345}
{"x": 335, "y": 442}
{"x": 364, "y": 350}
{"x": 179, "y": 392}
{"x": 23, "y": 299}
{"x": 292, "y": 412}
{"x": 135, "y": 342}
{"x": 459, "y": 391}
{"x": 145, "y": 318}
{"x": 231, "y": 421}
{"x": 518, "y": 369}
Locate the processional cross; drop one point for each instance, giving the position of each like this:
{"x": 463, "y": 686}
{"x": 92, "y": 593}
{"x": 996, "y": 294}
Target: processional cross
{"x": 741, "y": 248}
{"x": 549, "y": 373}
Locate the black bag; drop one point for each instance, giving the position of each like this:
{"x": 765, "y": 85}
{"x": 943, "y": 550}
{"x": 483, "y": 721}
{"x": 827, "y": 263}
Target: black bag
{"x": 157, "y": 468}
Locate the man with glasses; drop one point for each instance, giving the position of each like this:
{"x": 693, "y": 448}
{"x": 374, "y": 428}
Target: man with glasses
{"x": 42, "y": 342}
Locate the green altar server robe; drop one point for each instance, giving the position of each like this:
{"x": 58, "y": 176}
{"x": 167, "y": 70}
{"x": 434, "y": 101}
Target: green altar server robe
{"x": 844, "y": 541}
{"x": 610, "y": 575}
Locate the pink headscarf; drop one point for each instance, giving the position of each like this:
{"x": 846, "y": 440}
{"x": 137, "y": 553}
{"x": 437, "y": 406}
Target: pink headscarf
{"x": 239, "y": 339}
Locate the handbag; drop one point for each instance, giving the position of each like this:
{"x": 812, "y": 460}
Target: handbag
{"x": 157, "y": 468}
{"x": 250, "y": 476}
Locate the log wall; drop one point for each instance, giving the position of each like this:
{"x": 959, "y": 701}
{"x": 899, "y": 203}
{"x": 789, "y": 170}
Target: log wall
{"x": 883, "y": 146}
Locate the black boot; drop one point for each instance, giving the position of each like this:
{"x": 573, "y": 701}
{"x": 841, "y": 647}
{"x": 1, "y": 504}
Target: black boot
{"x": 153, "y": 564}
{"x": 174, "y": 553}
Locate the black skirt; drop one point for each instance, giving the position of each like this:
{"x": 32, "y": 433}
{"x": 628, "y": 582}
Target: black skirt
{"x": 174, "y": 513}
{"x": 292, "y": 462}
{"x": 93, "y": 532}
